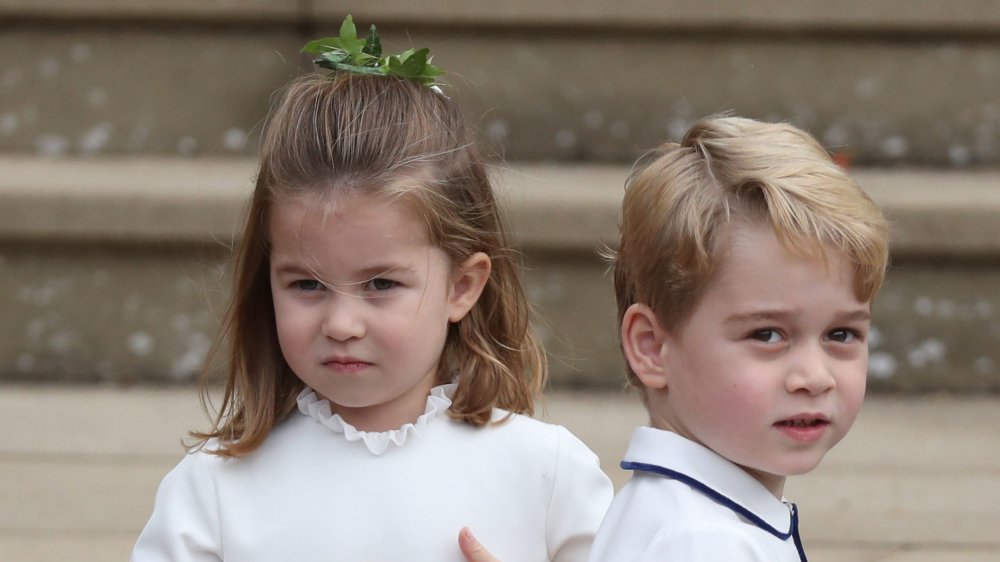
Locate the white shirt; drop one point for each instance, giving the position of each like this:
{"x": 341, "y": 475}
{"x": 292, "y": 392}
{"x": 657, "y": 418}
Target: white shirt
{"x": 687, "y": 503}
{"x": 320, "y": 490}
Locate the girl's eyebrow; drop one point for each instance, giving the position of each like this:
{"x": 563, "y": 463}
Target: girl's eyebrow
{"x": 378, "y": 270}
{"x": 367, "y": 273}
{"x": 291, "y": 269}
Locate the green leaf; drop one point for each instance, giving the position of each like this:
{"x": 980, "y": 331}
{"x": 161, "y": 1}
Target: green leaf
{"x": 322, "y": 45}
{"x": 364, "y": 59}
{"x": 330, "y": 59}
{"x": 410, "y": 64}
{"x": 346, "y": 41}
{"x": 336, "y": 55}
{"x": 373, "y": 45}
{"x": 347, "y": 30}
{"x": 414, "y": 64}
{"x": 370, "y": 70}
{"x": 405, "y": 55}
{"x": 347, "y": 53}
{"x": 433, "y": 71}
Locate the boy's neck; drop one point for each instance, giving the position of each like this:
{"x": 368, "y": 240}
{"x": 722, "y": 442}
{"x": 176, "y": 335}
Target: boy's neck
{"x": 773, "y": 482}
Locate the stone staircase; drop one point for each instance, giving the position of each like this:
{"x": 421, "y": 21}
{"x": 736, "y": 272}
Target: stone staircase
{"x": 128, "y": 128}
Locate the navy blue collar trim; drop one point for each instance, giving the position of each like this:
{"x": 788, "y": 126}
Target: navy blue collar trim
{"x": 793, "y": 531}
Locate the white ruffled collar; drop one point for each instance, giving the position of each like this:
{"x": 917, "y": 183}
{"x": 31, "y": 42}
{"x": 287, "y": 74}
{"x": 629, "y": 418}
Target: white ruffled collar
{"x": 317, "y": 408}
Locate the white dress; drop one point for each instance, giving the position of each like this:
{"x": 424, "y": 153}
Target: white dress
{"x": 687, "y": 503}
{"x": 320, "y": 490}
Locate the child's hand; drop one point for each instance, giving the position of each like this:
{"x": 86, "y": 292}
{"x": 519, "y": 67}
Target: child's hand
{"x": 471, "y": 549}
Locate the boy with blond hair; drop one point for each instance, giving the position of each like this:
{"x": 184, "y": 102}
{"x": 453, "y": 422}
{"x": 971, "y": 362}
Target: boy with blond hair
{"x": 745, "y": 276}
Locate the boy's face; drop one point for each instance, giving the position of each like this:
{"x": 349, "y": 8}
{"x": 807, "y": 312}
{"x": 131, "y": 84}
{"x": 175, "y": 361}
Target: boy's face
{"x": 769, "y": 370}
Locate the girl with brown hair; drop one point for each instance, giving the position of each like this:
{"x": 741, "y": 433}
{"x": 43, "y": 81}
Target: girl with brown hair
{"x": 381, "y": 363}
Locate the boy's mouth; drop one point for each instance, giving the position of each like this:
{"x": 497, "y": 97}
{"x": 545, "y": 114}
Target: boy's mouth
{"x": 803, "y": 422}
{"x": 805, "y": 428}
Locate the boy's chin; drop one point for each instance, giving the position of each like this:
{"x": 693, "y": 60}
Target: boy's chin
{"x": 796, "y": 467}
{"x": 800, "y": 466}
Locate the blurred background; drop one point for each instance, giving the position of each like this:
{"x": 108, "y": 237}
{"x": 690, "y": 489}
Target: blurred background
{"x": 128, "y": 131}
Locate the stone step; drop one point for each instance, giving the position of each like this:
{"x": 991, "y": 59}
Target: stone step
{"x": 916, "y": 478}
{"x": 114, "y": 269}
{"x": 884, "y": 15}
{"x": 602, "y": 82}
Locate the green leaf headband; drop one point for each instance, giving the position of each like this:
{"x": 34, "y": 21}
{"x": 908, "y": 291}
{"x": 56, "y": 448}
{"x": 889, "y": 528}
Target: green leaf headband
{"x": 347, "y": 53}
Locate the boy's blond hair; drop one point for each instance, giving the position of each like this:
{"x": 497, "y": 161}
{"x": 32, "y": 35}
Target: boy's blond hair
{"x": 685, "y": 198}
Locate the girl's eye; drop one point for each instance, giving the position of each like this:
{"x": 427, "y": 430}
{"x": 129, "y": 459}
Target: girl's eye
{"x": 307, "y": 285}
{"x": 768, "y": 335}
{"x": 380, "y": 284}
{"x": 843, "y": 335}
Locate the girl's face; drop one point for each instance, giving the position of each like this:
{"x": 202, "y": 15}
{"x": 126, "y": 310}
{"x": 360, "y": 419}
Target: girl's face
{"x": 362, "y": 303}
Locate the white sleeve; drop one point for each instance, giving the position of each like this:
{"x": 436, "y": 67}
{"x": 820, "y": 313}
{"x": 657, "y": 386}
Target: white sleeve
{"x": 184, "y": 526}
{"x": 704, "y": 544}
{"x": 581, "y": 495}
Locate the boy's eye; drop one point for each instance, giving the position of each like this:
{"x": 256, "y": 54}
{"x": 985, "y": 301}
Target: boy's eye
{"x": 843, "y": 335}
{"x": 307, "y": 285}
{"x": 766, "y": 336}
{"x": 380, "y": 284}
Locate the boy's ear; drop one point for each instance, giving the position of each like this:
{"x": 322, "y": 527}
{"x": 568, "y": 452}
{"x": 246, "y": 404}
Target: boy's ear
{"x": 467, "y": 284}
{"x": 644, "y": 345}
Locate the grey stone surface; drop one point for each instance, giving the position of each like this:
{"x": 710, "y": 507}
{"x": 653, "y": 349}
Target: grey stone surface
{"x": 573, "y": 207}
{"x": 561, "y": 86}
{"x": 85, "y": 314}
{"x": 116, "y": 267}
{"x": 103, "y": 314}
{"x": 936, "y": 326}
{"x": 107, "y": 89}
{"x": 152, "y": 10}
{"x": 740, "y": 14}
{"x": 917, "y": 479}
{"x": 123, "y": 199}
{"x": 587, "y": 98}
{"x": 886, "y": 15}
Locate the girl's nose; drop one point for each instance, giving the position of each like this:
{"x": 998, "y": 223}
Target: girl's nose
{"x": 343, "y": 318}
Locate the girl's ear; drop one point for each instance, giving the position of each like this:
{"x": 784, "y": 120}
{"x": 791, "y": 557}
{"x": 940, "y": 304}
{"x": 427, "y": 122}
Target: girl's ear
{"x": 467, "y": 284}
{"x": 644, "y": 346}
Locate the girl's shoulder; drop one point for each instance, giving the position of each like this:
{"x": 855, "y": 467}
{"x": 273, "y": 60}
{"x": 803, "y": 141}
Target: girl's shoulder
{"x": 286, "y": 437}
{"x": 514, "y": 426}
{"x": 519, "y": 433}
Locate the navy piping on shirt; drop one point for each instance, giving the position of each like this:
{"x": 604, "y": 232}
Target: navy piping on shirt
{"x": 793, "y": 531}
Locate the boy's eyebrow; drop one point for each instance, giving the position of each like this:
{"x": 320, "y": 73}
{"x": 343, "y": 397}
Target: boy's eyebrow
{"x": 759, "y": 315}
{"x": 854, "y": 315}
{"x": 859, "y": 315}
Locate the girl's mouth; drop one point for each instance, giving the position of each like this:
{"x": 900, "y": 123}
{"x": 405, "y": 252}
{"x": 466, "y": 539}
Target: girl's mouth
{"x": 347, "y": 367}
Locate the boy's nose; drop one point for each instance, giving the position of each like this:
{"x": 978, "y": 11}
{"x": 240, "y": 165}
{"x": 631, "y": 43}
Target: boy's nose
{"x": 810, "y": 373}
{"x": 343, "y": 319}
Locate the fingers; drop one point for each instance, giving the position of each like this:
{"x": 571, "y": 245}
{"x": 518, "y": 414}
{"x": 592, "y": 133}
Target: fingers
{"x": 472, "y": 549}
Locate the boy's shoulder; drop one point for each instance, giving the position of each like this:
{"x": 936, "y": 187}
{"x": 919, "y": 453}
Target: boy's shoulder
{"x": 692, "y": 474}
{"x": 686, "y": 502}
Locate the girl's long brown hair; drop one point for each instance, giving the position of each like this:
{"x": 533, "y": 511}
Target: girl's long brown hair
{"x": 349, "y": 135}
